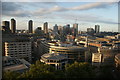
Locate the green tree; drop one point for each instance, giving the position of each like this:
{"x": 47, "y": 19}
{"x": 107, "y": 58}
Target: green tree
{"x": 39, "y": 70}
{"x": 10, "y": 75}
{"x": 79, "y": 70}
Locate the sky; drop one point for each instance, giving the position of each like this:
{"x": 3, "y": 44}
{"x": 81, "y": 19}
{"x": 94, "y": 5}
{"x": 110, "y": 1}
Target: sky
{"x": 86, "y": 13}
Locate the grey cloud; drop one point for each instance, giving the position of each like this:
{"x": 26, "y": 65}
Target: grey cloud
{"x": 94, "y": 5}
{"x": 10, "y": 6}
{"x": 19, "y": 9}
{"x": 13, "y": 10}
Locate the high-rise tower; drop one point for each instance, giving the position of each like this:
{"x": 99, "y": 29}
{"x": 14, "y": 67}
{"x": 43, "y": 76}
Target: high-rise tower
{"x": 97, "y": 28}
{"x": 45, "y": 27}
{"x": 30, "y": 26}
{"x": 75, "y": 29}
{"x": 13, "y": 25}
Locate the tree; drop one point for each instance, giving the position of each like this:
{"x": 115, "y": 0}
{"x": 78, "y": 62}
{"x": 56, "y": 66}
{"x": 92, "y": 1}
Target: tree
{"x": 79, "y": 70}
{"x": 39, "y": 70}
{"x": 10, "y": 75}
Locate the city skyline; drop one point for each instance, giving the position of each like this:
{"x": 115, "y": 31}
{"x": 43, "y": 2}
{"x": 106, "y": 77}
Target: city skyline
{"x": 86, "y": 14}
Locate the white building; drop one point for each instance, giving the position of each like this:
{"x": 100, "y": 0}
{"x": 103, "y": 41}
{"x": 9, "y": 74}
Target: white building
{"x": 101, "y": 59}
{"x": 20, "y": 50}
{"x": 96, "y": 59}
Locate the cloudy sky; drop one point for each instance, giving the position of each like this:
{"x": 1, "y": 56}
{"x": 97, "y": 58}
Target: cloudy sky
{"x": 86, "y": 14}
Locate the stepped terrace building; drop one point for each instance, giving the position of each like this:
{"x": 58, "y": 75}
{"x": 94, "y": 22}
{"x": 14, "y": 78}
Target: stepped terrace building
{"x": 54, "y": 59}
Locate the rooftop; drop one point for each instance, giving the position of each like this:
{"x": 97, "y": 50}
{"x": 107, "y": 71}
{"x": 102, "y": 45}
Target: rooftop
{"x": 53, "y": 56}
{"x": 14, "y": 64}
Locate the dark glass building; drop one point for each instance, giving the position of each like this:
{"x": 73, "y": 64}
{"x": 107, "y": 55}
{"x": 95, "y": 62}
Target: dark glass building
{"x": 30, "y": 26}
{"x": 13, "y": 25}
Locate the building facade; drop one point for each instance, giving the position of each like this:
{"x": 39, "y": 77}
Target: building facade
{"x": 40, "y": 47}
{"x": 73, "y": 53}
{"x": 96, "y": 59}
{"x": 20, "y": 50}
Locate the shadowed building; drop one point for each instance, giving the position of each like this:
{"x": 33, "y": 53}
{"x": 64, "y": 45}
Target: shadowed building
{"x": 6, "y": 26}
{"x": 90, "y": 30}
{"x": 97, "y": 28}
{"x": 55, "y": 28}
{"x": 13, "y": 25}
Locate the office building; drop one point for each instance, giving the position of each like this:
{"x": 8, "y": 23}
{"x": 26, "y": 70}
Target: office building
{"x": 54, "y": 59}
{"x": 30, "y": 26}
{"x": 13, "y": 25}
{"x": 97, "y": 28}
{"x": 20, "y": 50}
{"x": 45, "y": 27}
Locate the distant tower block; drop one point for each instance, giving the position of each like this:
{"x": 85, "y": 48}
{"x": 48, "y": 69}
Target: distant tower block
{"x": 97, "y": 28}
{"x": 75, "y": 27}
{"x": 45, "y": 27}
{"x": 30, "y": 26}
{"x": 13, "y": 25}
